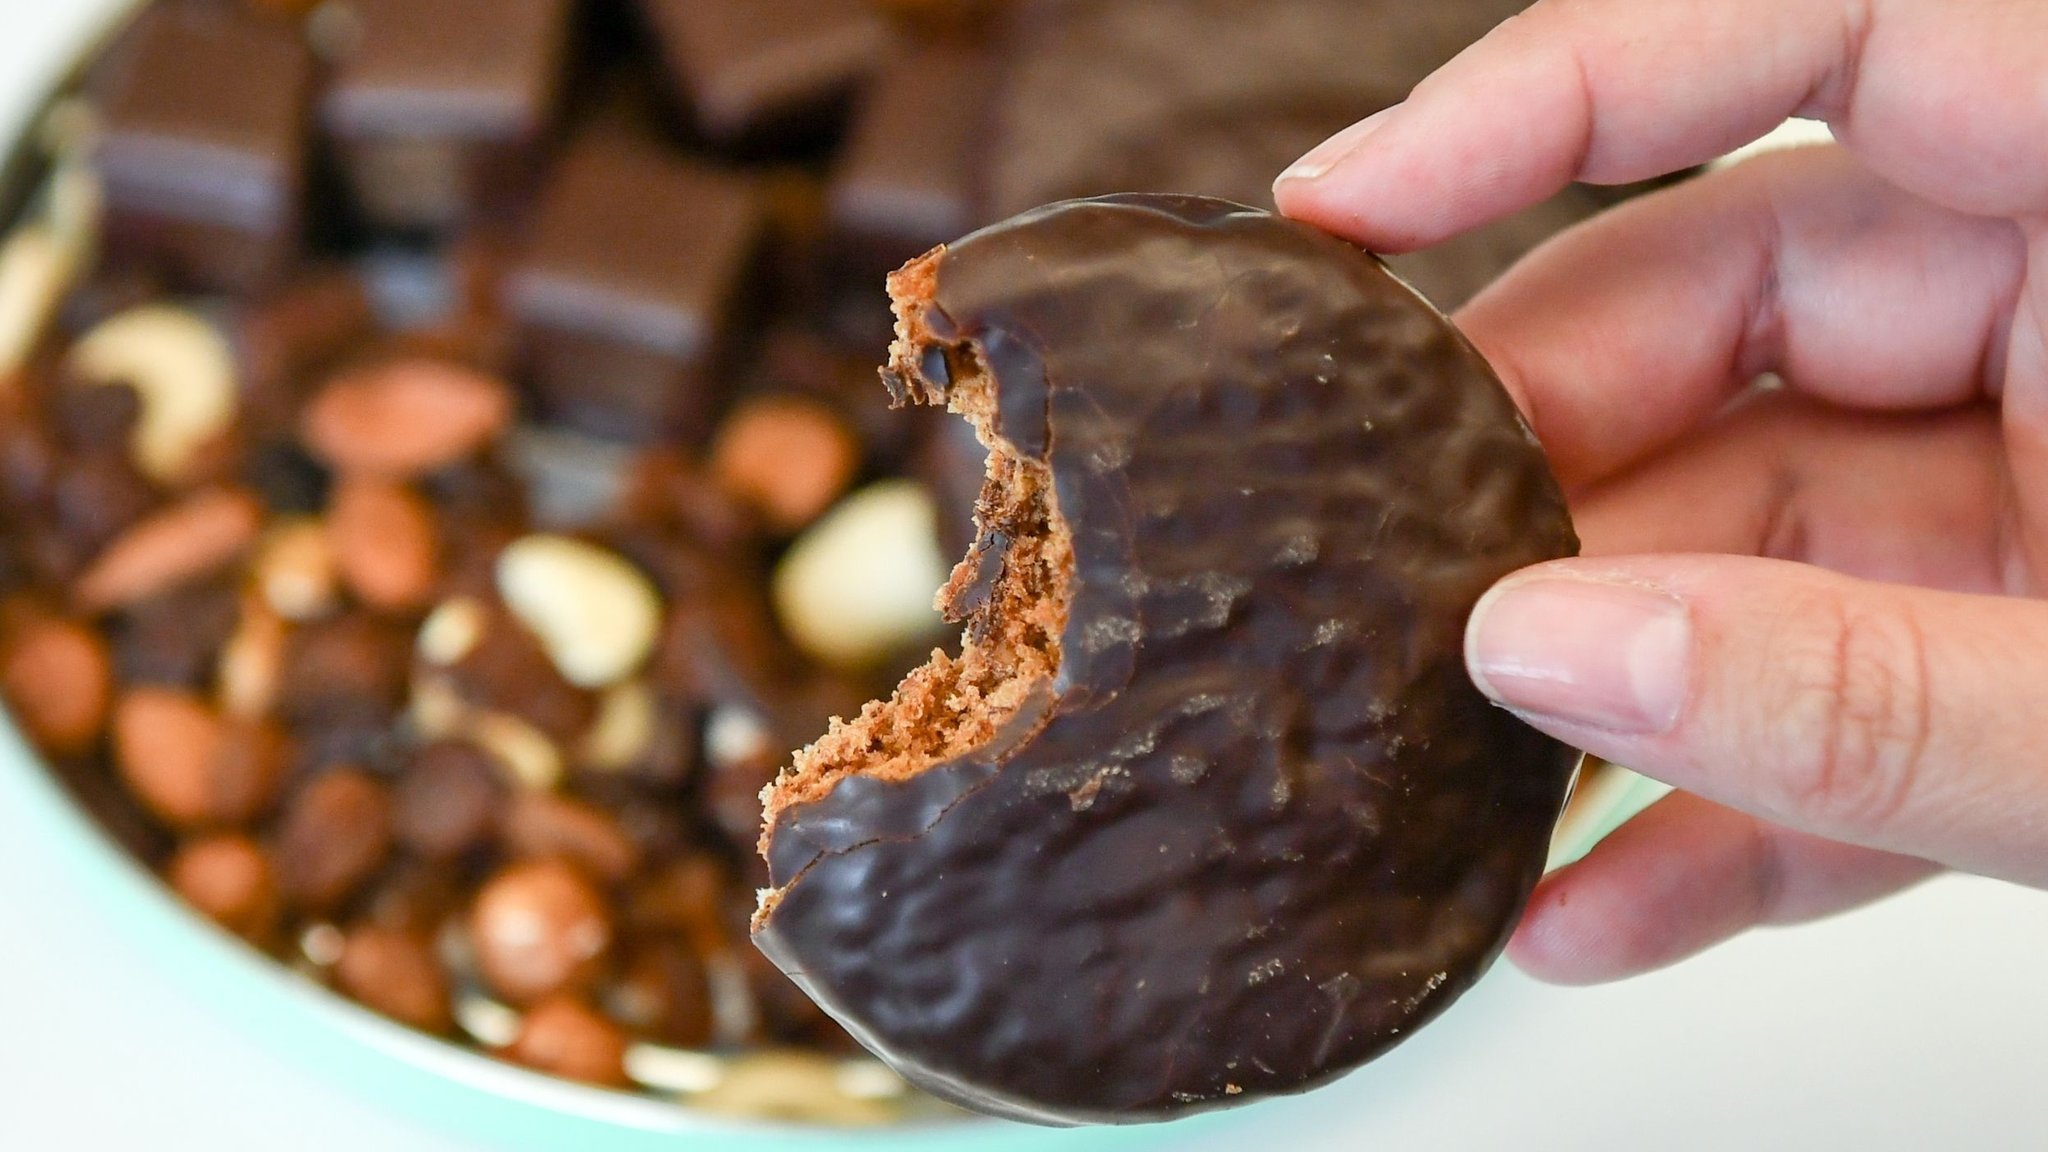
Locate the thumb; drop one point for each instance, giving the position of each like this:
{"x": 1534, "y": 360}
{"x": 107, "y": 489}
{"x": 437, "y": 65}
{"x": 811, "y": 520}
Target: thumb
{"x": 1894, "y": 718}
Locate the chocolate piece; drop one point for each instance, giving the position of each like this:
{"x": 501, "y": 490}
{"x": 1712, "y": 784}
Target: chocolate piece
{"x": 905, "y": 180}
{"x": 441, "y": 106}
{"x": 1207, "y": 809}
{"x": 203, "y": 145}
{"x": 744, "y": 69}
{"x": 1100, "y": 98}
{"x": 627, "y": 294}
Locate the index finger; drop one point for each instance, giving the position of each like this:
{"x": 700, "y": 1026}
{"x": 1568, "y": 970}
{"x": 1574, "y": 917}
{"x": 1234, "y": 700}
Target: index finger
{"x": 1942, "y": 97}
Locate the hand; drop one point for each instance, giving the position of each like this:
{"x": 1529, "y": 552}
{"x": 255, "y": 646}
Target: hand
{"x": 1808, "y": 608}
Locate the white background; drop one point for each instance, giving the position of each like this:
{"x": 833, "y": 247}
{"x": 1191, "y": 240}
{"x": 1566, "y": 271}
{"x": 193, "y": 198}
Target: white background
{"x": 1919, "y": 1024}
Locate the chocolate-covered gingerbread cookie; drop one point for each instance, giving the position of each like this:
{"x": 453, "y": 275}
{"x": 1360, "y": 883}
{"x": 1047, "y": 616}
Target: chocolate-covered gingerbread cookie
{"x": 1207, "y": 808}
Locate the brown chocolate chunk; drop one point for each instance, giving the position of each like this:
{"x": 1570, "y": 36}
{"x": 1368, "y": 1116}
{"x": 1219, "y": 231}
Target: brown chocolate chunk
{"x": 1207, "y": 809}
{"x": 905, "y": 181}
{"x": 624, "y": 314}
{"x": 203, "y": 147}
{"x": 1096, "y": 98}
{"x": 749, "y": 68}
{"x": 441, "y": 106}
{"x": 175, "y": 639}
{"x": 1094, "y": 103}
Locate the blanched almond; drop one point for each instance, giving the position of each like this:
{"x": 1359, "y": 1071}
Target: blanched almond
{"x": 595, "y": 614}
{"x": 858, "y": 587}
{"x": 405, "y": 418}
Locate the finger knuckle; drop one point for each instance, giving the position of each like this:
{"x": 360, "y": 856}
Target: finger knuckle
{"x": 1849, "y": 717}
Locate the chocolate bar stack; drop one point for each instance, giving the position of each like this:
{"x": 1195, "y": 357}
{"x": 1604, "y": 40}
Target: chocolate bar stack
{"x": 444, "y": 476}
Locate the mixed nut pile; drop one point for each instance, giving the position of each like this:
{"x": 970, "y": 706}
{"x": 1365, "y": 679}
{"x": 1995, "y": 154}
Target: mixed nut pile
{"x": 443, "y": 474}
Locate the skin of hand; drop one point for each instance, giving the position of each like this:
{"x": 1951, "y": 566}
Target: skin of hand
{"x": 1814, "y": 608}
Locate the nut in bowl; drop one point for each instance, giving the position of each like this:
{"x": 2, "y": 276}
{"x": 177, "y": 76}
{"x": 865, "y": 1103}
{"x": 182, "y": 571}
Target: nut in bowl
{"x": 421, "y": 569}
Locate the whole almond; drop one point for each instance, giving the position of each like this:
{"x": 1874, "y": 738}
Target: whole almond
{"x": 165, "y": 744}
{"x": 183, "y": 542}
{"x": 385, "y": 543}
{"x": 191, "y": 768}
{"x": 395, "y": 973}
{"x": 565, "y": 1037}
{"x": 787, "y": 456}
{"x": 405, "y": 418}
{"x": 57, "y": 676}
{"x": 230, "y": 880}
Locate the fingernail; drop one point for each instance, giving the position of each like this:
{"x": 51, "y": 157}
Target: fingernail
{"x": 1605, "y": 655}
{"x": 1332, "y": 152}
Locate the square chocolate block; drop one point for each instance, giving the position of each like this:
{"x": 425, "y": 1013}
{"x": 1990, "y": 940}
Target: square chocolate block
{"x": 441, "y": 107}
{"x": 203, "y": 149}
{"x": 905, "y": 179}
{"x": 631, "y": 287}
{"x": 745, "y": 67}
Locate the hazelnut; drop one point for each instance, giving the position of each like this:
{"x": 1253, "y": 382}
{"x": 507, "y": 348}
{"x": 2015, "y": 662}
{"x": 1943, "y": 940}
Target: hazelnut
{"x": 539, "y": 927}
{"x": 448, "y": 800}
{"x": 229, "y": 879}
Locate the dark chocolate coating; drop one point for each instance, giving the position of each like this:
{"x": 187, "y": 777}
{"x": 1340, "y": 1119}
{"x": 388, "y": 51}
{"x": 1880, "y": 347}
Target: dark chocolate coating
{"x": 202, "y": 147}
{"x": 1261, "y": 826}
